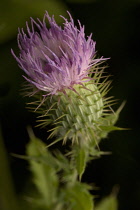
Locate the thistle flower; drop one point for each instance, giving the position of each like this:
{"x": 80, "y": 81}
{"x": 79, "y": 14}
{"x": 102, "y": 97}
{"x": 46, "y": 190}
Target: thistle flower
{"x": 58, "y": 63}
{"x": 55, "y": 58}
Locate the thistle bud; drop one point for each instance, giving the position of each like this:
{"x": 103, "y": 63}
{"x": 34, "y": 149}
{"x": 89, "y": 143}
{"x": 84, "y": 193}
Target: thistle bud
{"x": 76, "y": 113}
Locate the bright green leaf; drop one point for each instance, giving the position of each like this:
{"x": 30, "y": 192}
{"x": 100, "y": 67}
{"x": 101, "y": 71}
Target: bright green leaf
{"x": 81, "y": 159}
{"x": 79, "y": 197}
{"x": 44, "y": 175}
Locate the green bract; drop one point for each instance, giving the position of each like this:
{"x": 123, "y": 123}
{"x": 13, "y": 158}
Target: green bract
{"x": 75, "y": 114}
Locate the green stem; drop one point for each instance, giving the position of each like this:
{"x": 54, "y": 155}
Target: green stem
{"x": 7, "y": 194}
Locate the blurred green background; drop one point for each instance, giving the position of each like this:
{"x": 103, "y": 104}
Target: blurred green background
{"x": 116, "y": 29}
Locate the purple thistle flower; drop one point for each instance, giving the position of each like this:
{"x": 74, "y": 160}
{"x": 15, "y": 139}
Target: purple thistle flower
{"x": 55, "y": 58}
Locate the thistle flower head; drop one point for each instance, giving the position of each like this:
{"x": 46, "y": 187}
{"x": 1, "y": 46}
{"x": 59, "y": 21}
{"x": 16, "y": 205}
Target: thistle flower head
{"x": 55, "y": 58}
{"x": 58, "y": 61}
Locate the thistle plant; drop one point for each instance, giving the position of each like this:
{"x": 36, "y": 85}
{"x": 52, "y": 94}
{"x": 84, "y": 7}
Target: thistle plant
{"x": 69, "y": 88}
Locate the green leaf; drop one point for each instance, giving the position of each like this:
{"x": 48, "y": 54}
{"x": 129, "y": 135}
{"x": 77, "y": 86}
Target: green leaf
{"x": 106, "y": 129}
{"x": 81, "y": 159}
{"x": 79, "y": 197}
{"x": 112, "y": 118}
{"x": 107, "y": 123}
{"x": 110, "y": 128}
{"x": 44, "y": 174}
{"x": 108, "y": 203}
{"x": 95, "y": 153}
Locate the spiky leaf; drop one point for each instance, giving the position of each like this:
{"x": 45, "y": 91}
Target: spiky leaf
{"x": 44, "y": 174}
{"x": 108, "y": 122}
{"x": 80, "y": 157}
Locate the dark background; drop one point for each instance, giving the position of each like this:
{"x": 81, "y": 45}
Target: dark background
{"x": 116, "y": 29}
